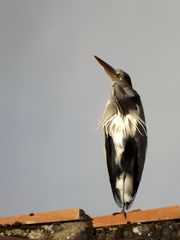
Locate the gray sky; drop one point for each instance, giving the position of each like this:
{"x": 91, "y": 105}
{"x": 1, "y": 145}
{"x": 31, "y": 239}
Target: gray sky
{"x": 52, "y": 94}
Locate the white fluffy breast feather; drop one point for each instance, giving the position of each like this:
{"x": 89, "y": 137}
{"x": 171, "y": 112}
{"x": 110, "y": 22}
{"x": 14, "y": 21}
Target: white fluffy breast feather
{"x": 120, "y": 127}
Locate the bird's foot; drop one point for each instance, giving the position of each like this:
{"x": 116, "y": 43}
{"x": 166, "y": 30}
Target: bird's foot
{"x": 135, "y": 210}
{"x": 122, "y": 212}
{"x": 116, "y": 213}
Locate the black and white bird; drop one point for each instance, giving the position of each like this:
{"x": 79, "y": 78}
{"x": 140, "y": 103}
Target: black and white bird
{"x": 125, "y": 132}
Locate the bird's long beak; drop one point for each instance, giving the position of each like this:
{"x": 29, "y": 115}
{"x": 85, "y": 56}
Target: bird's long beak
{"x": 108, "y": 69}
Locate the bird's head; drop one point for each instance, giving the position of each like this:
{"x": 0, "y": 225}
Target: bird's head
{"x": 116, "y": 75}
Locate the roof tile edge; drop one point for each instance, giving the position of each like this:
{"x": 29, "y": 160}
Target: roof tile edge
{"x": 139, "y": 216}
{"x": 70, "y": 215}
{"x": 46, "y": 217}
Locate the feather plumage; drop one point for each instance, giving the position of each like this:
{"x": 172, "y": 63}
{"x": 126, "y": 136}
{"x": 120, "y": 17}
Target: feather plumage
{"x": 125, "y": 133}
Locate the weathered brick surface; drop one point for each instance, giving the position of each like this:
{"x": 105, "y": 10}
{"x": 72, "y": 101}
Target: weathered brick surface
{"x": 63, "y": 231}
{"x": 164, "y": 230}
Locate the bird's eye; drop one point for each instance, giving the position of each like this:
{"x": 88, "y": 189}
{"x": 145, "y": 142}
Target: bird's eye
{"x": 120, "y": 76}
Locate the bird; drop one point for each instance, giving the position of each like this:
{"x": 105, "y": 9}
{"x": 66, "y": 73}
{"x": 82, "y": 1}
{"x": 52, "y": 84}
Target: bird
{"x": 125, "y": 132}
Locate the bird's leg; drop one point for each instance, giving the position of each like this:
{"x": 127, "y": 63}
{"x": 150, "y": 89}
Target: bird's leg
{"x": 123, "y": 203}
{"x": 124, "y": 212}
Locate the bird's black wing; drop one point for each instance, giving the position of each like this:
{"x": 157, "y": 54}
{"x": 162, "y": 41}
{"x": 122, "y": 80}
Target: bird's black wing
{"x": 129, "y": 164}
{"x": 113, "y": 169}
{"x": 141, "y": 144}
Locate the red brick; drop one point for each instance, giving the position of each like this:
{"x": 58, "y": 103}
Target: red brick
{"x": 47, "y": 217}
{"x": 159, "y": 214}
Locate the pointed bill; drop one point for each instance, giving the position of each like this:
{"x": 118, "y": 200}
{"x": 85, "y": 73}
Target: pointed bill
{"x": 108, "y": 69}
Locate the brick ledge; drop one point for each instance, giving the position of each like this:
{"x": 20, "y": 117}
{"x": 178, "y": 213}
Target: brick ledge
{"x": 70, "y": 215}
{"x": 151, "y": 215}
{"x": 47, "y": 217}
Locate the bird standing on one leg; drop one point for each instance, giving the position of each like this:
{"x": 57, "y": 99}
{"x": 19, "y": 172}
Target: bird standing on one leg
{"x": 125, "y": 131}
